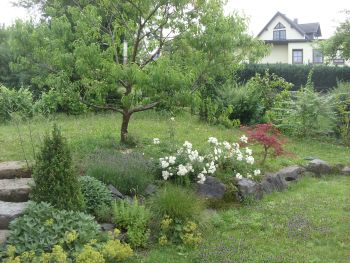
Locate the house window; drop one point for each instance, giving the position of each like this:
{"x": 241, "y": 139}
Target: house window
{"x": 338, "y": 61}
{"x": 297, "y": 56}
{"x": 279, "y": 32}
{"x": 317, "y": 56}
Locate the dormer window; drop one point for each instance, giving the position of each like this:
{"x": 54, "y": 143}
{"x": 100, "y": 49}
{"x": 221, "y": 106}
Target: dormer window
{"x": 279, "y": 32}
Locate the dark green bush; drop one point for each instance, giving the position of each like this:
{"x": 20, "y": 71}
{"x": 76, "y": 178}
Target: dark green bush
{"x": 54, "y": 177}
{"x": 95, "y": 193}
{"x": 42, "y": 226}
{"x": 15, "y": 101}
{"x": 135, "y": 219}
{"x": 130, "y": 173}
{"x": 324, "y": 77}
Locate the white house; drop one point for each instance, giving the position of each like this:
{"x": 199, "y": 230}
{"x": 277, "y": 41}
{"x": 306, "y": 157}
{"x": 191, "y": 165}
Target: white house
{"x": 291, "y": 42}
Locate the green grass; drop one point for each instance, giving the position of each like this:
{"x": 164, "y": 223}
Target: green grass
{"x": 310, "y": 222}
{"x": 89, "y": 133}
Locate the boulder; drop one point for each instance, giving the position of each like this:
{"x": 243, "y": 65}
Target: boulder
{"x": 107, "y": 227}
{"x": 319, "y": 167}
{"x": 273, "y": 182}
{"x": 291, "y": 173}
{"x": 14, "y": 169}
{"x": 10, "y": 211}
{"x": 115, "y": 192}
{"x": 15, "y": 190}
{"x": 346, "y": 170}
{"x": 249, "y": 188}
{"x": 150, "y": 189}
{"x": 211, "y": 188}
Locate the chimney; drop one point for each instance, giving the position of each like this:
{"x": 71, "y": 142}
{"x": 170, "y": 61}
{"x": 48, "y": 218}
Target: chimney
{"x": 295, "y": 20}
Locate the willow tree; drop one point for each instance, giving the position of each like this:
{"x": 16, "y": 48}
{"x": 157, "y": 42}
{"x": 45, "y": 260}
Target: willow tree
{"x": 130, "y": 56}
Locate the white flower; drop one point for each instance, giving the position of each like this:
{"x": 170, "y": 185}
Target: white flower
{"x": 193, "y": 155}
{"x": 172, "y": 119}
{"x": 239, "y": 157}
{"x": 165, "y": 175}
{"x": 156, "y": 141}
{"x": 181, "y": 170}
{"x": 250, "y": 159}
{"x": 227, "y": 145}
{"x": 188, "y": 145}
{"x": 235, "y": 145}
{"x": 204, "y": 171}
{"x": 212, "y": 168}
{"x": 213, "y": 140}
{"x": 164, "y": 164}
{"x": 172, "y": 159}
{"x": 201, "y": 178}
{"x": 249, "y": 175}
{"x": 239, "y": 176}
{"x": 200, "y": 159}
{"x": 257, "y": 172}
{"x": 248, "y": 151}
{"x": 244, "y": 139}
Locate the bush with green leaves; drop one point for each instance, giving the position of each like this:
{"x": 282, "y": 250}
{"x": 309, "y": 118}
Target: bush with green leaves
{"x": 324, "y": 77}
{"x": 95, "y": 193}
{"x": 42, "y": 226}
{"x": 177, "y": 212}
{"x": 133, "y": 218}
{"x": 55, "y": 179}
{"x": 54, "y": 101}
{"x": 341, "y": 106}
{"x": 15, "y": 101}
{"x": 129, "y": 173}
{"x": 307, "y": 114}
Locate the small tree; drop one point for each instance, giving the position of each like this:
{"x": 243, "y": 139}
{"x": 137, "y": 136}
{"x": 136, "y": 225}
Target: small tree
{"x": 269, "y": 137}
{"x": 54, "y": 177}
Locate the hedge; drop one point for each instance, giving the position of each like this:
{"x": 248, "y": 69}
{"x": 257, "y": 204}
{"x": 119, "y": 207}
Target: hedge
{"x": 324, "y": 77}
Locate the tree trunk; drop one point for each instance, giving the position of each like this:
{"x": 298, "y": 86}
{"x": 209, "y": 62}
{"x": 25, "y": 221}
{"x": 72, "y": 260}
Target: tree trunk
{"x": 124, "y": 128}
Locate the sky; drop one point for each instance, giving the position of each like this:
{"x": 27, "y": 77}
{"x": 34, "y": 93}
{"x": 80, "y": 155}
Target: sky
{"x": 259, "y": 12}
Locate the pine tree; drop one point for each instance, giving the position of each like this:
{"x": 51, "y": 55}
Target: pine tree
{"x": 54, "y": 176}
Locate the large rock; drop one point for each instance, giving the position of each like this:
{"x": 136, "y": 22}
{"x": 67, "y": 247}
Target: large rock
{"x": 346, "y": 170}
{"x": 273, "y": 182}
{"x": 115, "y": 192}
{"x": 249, "y": 188}
{"x": 319, "y": 167}
{"x": 291, "y": 173}
{"x": 15, "y": 190}
{"x": 14, "y": 169}
{"x": 211, "y": 188}
{"x": 10, "y": 211}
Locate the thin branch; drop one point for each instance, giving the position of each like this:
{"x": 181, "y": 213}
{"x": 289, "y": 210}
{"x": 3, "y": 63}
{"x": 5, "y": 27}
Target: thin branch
{"x": 99, "y": 107}
{"x": 144, "y": 108}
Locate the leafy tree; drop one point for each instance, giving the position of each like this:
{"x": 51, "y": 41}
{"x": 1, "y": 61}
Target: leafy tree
{"x": 339, "y": 43}
{"x": 133, "y": 55}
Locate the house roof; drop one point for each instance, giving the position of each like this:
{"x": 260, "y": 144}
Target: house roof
{"x": 303, "y": 29}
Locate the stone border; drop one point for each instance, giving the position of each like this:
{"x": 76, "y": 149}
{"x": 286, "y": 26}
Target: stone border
{"x": 280, "y": 180}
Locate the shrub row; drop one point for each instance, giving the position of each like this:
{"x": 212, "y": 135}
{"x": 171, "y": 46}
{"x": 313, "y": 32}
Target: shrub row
{"x": 324, "y": 77}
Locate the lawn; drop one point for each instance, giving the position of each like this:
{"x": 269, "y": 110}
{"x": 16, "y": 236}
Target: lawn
{"x": 310, "y": 222}
{"x": 91, "y": 132}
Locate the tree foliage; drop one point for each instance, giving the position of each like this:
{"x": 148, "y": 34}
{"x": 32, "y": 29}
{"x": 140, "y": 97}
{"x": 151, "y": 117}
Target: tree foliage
{"x": 133, "y": 55}
{"x": 339, "y": 44}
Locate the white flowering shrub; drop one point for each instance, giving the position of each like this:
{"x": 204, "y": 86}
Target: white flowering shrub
{"x": 188, "y": 164}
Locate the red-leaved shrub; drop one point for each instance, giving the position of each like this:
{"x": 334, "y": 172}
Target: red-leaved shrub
{"x": 269, "y": 137}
